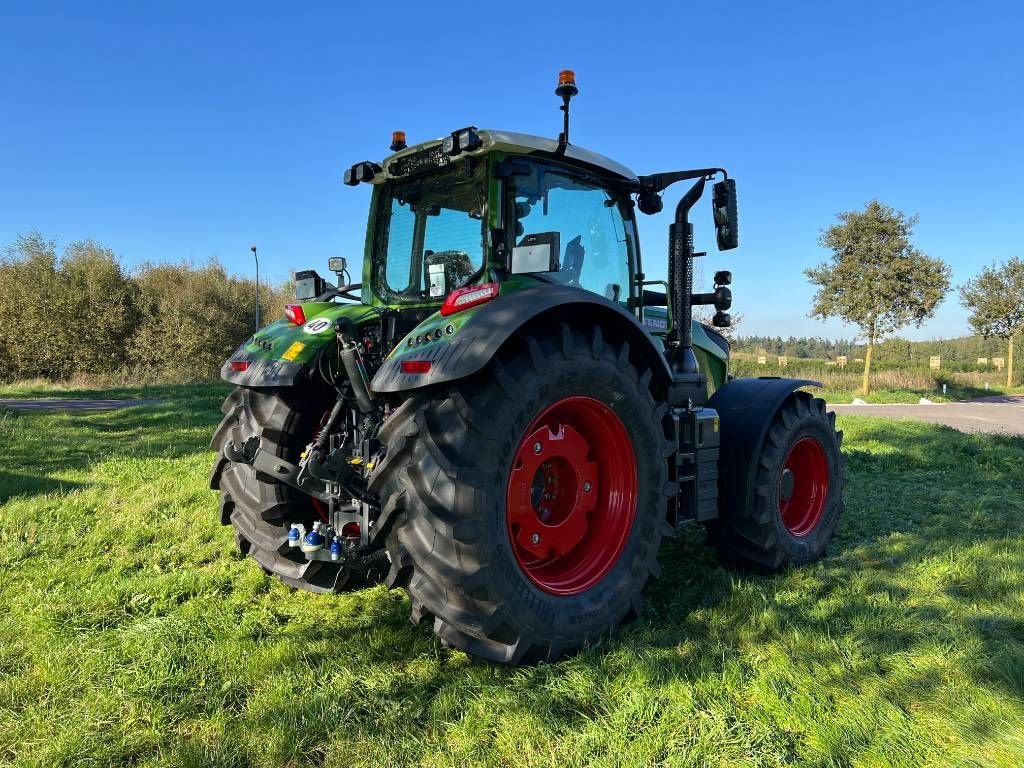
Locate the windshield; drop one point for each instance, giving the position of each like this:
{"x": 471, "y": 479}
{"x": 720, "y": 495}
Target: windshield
{"x": 431, "y": 235}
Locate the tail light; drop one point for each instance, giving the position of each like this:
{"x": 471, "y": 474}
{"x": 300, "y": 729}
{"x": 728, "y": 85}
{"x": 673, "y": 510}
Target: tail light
{"x": 239, "y": 366}
{"x": 416, "y": 366}
{"x": 294, "y": 313}
{"x": 470, "y": 296}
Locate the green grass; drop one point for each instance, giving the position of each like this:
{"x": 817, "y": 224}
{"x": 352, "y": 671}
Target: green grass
{"x": 131, "y": 634}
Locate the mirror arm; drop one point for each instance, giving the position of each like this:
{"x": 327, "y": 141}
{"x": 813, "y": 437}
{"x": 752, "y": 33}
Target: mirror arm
{"x": 658, "y": 182}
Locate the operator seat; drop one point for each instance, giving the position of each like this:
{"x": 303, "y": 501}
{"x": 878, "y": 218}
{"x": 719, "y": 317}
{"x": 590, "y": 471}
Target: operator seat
{"x": 572, "y": 264}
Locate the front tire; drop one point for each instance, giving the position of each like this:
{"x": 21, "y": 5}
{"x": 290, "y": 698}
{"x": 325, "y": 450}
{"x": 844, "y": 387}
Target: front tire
{"x": 790, "y": 514}
{"x": 527, "y": 504}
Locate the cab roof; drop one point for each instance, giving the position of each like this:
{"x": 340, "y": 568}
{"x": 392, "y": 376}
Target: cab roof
{"x": 507, "y": 141}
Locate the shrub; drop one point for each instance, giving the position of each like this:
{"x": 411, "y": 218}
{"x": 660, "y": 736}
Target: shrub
{"x": 83, "y": 314}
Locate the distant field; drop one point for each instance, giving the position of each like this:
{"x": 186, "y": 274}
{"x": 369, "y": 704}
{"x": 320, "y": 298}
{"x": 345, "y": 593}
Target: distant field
{"x": 132, "y": 634}
{"x": 890, "y": 382}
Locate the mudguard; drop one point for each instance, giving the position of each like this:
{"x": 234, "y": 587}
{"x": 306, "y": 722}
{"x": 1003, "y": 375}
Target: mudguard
{"x": 282, "y": 353}
{"x": 462, "y": 344}
{"x": 745, "y": 409}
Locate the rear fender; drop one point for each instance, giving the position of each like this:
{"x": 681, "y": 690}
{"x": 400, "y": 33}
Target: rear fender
{"x": 283, "y": 353}
{"x": 462, "y": 344}
{"x": 745, "y": 409}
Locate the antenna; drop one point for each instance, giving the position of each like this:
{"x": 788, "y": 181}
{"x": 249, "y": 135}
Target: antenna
{"x": 566, "y": 89}
{"x": 253, "y": 249}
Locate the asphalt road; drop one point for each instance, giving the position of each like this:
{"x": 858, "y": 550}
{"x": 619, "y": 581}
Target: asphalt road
{"x": 1002, "y": 414}
{"x": 50, "y": 404}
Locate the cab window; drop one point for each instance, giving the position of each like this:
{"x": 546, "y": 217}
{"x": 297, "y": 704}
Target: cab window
{"x": 581, "y": 222}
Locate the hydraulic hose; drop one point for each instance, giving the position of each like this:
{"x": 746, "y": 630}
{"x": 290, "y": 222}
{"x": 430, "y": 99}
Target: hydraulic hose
{"x": 356, "y": 372}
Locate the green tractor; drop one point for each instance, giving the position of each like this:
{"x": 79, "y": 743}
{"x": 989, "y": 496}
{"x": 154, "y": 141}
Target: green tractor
{"x": 505, "y": 417}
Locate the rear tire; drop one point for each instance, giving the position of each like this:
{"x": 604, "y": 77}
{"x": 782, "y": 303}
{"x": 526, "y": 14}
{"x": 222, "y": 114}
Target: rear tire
{"x": 797, "y": 493}
{"x": 455, "y": 461}
{"x": 259, "y": 507}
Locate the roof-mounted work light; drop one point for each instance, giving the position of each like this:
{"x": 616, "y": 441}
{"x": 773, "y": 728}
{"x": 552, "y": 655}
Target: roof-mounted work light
{"x": 462, "y": 140}
{"x": 364, "y": 171}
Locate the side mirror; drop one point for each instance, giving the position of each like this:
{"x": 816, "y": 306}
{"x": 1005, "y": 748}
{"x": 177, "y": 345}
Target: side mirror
{"x": 723, "y": 202}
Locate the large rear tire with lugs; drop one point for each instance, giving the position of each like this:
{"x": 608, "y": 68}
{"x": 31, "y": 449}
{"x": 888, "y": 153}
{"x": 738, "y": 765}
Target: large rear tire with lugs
{"x": 260, "y": 508}
{"x": 790, "y": 514}
{"x": 527, "y": 504}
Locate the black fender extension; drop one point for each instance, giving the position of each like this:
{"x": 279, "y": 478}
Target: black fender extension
{"x": 745, "y": 409}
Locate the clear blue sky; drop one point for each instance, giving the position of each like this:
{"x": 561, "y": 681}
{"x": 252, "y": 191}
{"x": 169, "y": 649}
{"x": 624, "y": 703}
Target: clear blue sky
{"x": 188, "y": 130}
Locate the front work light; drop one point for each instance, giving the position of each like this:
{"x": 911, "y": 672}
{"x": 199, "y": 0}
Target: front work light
{"x": 364, "y": 171}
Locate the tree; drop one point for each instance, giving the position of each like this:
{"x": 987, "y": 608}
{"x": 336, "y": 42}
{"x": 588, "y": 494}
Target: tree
{"x": 995, "y": 299}
{"x": 876, "y": 279}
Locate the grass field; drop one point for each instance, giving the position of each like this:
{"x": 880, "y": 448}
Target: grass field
{"x": 132, "y": 634}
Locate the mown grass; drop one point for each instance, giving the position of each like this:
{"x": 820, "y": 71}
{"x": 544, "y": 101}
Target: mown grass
{"x": 131, "y": 634}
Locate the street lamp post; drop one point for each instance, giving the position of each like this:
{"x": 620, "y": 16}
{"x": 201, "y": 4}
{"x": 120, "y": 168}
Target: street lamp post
{"x": 253, "y": 249}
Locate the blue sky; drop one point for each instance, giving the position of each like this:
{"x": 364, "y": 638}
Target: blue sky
{"x": 188, "y": 130}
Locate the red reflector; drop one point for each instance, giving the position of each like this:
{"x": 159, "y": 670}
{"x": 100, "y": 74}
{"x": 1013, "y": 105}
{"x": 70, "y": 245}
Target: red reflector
{"x": 239, "y": 365}
{"x": 294, "y": 313}
{"x": 416, "y": 366}
{"x": 470, "y": 296}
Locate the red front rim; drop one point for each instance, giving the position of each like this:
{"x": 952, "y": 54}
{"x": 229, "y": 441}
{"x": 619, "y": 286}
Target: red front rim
{"x": 803, "y": 486}
{"x": 572, "y": 495}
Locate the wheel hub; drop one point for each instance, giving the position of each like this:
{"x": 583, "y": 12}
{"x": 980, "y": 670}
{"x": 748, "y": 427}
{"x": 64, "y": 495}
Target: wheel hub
{"x": 551, "y": 514}
{"x": 803, "y": 486}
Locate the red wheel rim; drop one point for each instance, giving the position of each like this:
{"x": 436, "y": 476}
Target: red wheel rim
{"x": 803, "y": 486}
{"x": 572, "y": 495}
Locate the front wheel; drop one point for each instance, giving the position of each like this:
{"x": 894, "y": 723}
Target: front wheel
{"x": 529, "y": 502}
{"x": 797, "y": 495}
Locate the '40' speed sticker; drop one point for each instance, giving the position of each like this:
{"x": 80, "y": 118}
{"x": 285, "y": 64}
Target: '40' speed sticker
{"x": 317, "y": 325}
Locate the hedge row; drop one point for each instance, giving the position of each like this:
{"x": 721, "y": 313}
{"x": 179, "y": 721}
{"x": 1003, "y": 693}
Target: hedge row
{"x": 84, "y": 313}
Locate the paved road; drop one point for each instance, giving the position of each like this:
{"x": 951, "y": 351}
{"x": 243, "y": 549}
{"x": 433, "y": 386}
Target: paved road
{"x": 1002, "y": 414}
{"x": 22, "y": 404}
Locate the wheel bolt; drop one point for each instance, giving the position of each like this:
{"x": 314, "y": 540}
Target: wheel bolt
{"x": 535, "y": 539}
{"x": 586, "y": 487}
{"x": 537, "y": 447}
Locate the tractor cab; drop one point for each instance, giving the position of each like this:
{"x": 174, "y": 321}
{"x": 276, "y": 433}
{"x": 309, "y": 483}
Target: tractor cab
{"x": 482, "y": 205}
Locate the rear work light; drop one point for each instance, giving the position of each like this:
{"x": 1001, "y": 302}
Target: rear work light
{"x": 470, "y": 296}
{"x": 294, "y": 313}
{"x": 416, "y": 366}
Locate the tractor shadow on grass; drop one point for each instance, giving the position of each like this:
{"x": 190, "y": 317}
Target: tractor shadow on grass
{"x": 14, "y": 484}
{"x": 919, "y": 587}
{"x": 914, "y": 601}
{"x": 34, "y": 446}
